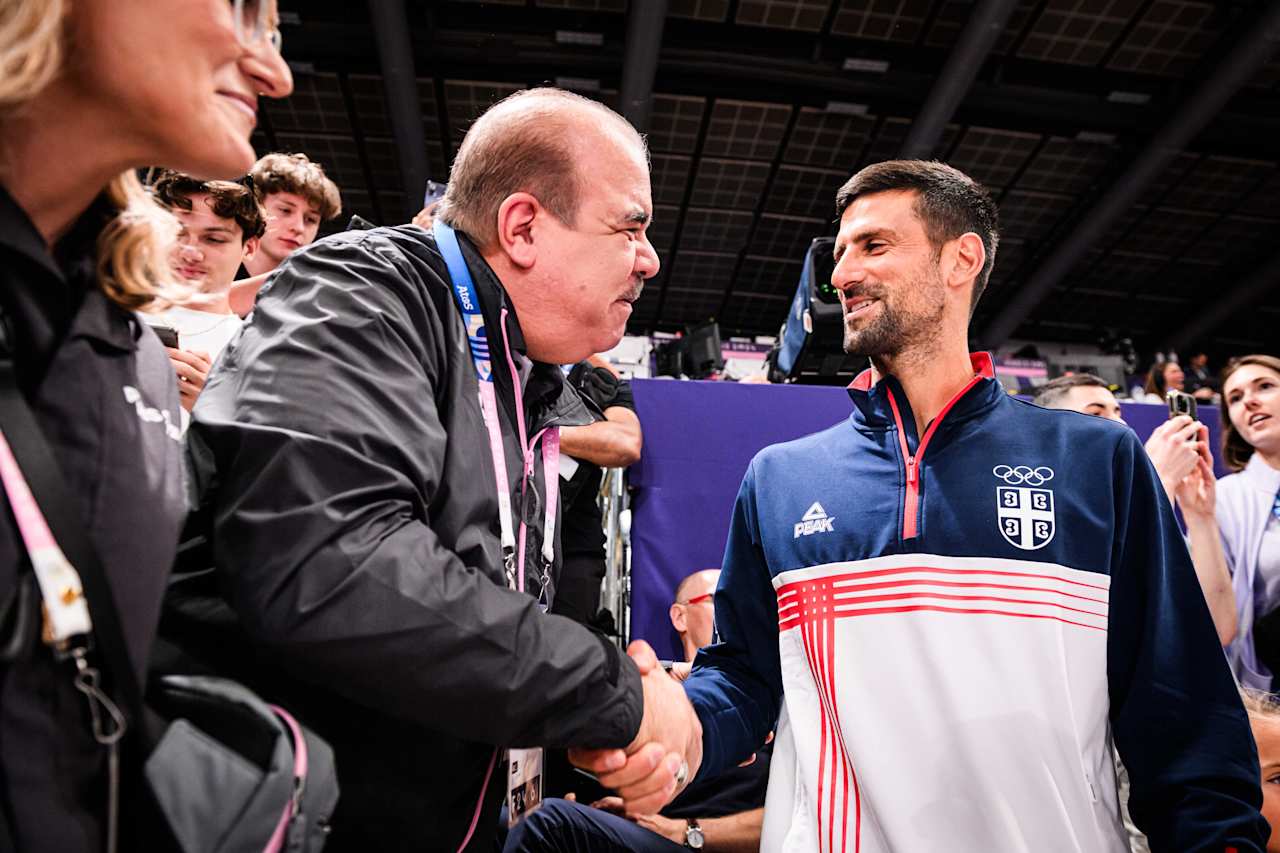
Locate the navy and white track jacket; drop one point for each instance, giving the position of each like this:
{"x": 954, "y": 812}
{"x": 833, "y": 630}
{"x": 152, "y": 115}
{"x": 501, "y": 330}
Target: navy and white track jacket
{"x": 954, "y": 626}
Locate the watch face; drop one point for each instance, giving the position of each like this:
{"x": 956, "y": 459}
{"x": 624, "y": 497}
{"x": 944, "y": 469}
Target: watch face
{"x": 693, "y": 837}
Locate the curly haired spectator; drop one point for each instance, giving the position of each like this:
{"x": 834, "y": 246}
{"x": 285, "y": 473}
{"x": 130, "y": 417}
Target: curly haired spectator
{"x": 221, "y": 227}
{"x": 297, "y": 196}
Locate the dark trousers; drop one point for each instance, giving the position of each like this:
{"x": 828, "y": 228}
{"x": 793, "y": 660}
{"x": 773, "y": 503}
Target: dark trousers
{"x": 578, "y": 590}
{"x": 564, "y": 827}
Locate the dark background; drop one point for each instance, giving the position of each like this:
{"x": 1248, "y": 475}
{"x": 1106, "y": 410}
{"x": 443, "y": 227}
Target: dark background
{"x": 748, "y": 147}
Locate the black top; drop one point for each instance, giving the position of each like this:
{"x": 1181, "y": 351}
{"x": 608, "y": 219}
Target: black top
{"x": 347, "y": 468}
{"x": 582, "y": 530}
{"x": 104, "y": 394}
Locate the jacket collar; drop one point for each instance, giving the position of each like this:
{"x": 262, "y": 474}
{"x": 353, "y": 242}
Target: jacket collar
{"x": 871, "y": 402}
{"x": 72, "y": 266}
{"x": 548, "y": 399}
{"x": 1261, "y": 476}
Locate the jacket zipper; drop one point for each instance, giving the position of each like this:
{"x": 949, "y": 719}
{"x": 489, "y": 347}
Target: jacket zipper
{"x": 911, "y": 504}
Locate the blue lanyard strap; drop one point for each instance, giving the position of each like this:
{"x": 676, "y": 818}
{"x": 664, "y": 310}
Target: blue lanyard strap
{"x": 464, "y": 291}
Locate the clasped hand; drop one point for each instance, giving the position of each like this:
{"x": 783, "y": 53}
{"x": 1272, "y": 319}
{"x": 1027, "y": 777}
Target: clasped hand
{"x": 646, "y": 774}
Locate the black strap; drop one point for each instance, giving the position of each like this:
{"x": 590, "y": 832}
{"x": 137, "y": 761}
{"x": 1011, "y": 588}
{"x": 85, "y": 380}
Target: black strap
{"x": 44, "y": 477}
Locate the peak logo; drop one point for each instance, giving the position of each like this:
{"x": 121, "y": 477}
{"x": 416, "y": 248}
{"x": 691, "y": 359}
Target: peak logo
{"x": 815, "y": 520}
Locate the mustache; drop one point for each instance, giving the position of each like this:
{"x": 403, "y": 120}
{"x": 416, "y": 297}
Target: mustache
{"x": 866, "y": 291}
{"x": 634, "y": 292}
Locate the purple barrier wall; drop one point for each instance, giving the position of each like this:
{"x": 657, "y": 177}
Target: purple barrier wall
{"x": 699, "y": 438}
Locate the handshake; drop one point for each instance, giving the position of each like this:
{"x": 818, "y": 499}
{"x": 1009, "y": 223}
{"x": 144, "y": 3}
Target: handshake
{"x": 666, "y": 752}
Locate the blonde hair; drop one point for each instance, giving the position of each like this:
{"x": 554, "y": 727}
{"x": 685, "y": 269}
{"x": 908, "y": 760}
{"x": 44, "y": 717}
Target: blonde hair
{"x": 1257, "y": 703}
{"x": 132, "y": 250}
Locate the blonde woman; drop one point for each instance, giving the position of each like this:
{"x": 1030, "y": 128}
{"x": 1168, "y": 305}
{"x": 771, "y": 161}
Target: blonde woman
{"x": 91, "y": 90}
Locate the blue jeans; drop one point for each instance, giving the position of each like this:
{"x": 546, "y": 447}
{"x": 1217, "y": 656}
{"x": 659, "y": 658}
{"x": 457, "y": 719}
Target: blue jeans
{"x": 564, "y": 827}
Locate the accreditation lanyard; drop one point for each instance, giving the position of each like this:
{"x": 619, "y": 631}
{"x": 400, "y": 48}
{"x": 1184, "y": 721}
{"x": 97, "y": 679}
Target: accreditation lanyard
{"x": 65, "y": 609}
{"x": 513, "y": 543}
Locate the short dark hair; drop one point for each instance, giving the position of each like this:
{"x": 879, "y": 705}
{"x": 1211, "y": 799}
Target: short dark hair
{"x": 229, "y": 200}
{"x": 1048, "y": 394}
{"x": 949, "y": 203}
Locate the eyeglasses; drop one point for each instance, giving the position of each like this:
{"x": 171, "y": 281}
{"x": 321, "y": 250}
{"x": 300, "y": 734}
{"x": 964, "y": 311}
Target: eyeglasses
{"x": 698, "y": 599}
{"x": 253, "y": 23}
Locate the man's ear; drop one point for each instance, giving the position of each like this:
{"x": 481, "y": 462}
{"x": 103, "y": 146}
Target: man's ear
{"x": 965, "y": 260}
{"x": 678, "y": 619}
{"x": 516, "y": 218}
{"x": 250, "y": 248}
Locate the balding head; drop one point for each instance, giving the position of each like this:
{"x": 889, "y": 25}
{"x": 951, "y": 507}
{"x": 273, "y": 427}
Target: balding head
{"x": 529, "y": 142}
{"x": 693, "y": 613}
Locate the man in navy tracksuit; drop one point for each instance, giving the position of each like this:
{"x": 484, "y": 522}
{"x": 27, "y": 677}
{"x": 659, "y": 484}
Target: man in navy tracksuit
{"x": 954, "y": 603}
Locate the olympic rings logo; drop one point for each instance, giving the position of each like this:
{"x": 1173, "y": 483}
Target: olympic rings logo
{"x": 1022, "y": 474}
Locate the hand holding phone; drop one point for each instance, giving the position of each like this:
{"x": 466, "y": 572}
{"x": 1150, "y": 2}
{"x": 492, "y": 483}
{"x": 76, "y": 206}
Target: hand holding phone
{"x": 1181, "y": 404}
{"x": 168, "y": 335}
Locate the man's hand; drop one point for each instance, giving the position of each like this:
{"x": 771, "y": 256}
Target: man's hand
{"x": 1172, "y": 450}
{"x": 645, "y": 774}
{"x": 672, "y": 830}
{"x": 192, "y": 368}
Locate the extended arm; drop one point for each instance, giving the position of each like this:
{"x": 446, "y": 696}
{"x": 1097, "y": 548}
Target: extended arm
{"x": 614, "y": 442}
{"x": 1176, "y": 716}
{"x": 330, "y": 453}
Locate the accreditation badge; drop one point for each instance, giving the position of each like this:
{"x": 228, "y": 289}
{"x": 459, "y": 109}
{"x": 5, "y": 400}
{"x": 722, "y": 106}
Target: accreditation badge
{"x": 524, "y": 783}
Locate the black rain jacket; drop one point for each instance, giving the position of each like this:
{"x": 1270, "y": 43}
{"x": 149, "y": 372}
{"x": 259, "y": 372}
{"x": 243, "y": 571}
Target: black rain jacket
{"x": 344, "y": 470}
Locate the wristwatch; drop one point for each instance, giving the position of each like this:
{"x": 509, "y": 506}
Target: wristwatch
{"x": 693, "y": 835}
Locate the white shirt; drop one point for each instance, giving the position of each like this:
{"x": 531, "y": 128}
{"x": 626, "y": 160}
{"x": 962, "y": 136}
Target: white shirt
{"x": 202, "y": 331}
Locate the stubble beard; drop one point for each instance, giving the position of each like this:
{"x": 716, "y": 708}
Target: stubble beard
{"x": 895, "y": 330}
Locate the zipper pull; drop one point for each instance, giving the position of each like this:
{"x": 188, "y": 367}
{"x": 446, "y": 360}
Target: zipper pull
{"x": 912, "y": 473}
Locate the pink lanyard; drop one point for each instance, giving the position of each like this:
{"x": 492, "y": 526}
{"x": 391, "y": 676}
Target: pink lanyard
{"x": 59, "y": 582}
{"x": 550, "y": 473}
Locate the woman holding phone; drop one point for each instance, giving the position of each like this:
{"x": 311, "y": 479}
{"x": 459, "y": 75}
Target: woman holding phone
{"x": 1248, "y": 511}
{"x": 90, "y": 91}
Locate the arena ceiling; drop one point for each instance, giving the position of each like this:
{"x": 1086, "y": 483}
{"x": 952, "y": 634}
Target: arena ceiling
{"x": 760, "y": 109}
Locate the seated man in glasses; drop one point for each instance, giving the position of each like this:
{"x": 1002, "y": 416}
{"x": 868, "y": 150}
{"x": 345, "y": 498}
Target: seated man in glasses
{"x": 723, "y": 813}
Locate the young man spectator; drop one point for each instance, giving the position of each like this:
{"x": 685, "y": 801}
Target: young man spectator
{"x": 720, "y": 815}
{"x": 994, "y": 593}
{"x": 222, "y": 227}
{"x": 297, "y": 196}
{"x": 614, "y": 441}
{"x": 362, "y": 491}
{"x": 1179, "y": 450}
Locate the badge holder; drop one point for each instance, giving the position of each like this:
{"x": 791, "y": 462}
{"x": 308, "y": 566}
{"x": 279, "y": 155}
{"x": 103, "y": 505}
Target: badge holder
{"x": 524, "y": 766}
{"x": 524, "y": 783}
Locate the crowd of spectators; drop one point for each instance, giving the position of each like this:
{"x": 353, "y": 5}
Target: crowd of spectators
{"x": 374, "y": 461}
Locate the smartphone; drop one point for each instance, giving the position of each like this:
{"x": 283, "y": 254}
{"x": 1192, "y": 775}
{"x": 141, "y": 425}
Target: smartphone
{"x": 1181, "y": 404}
{"x": 168, "y": 335}
{"x": 435, "y": 192}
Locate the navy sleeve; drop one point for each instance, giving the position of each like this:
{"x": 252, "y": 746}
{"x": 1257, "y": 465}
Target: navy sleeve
{"x": 736, "y": 686}
{"x": 1175, "y": 712}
